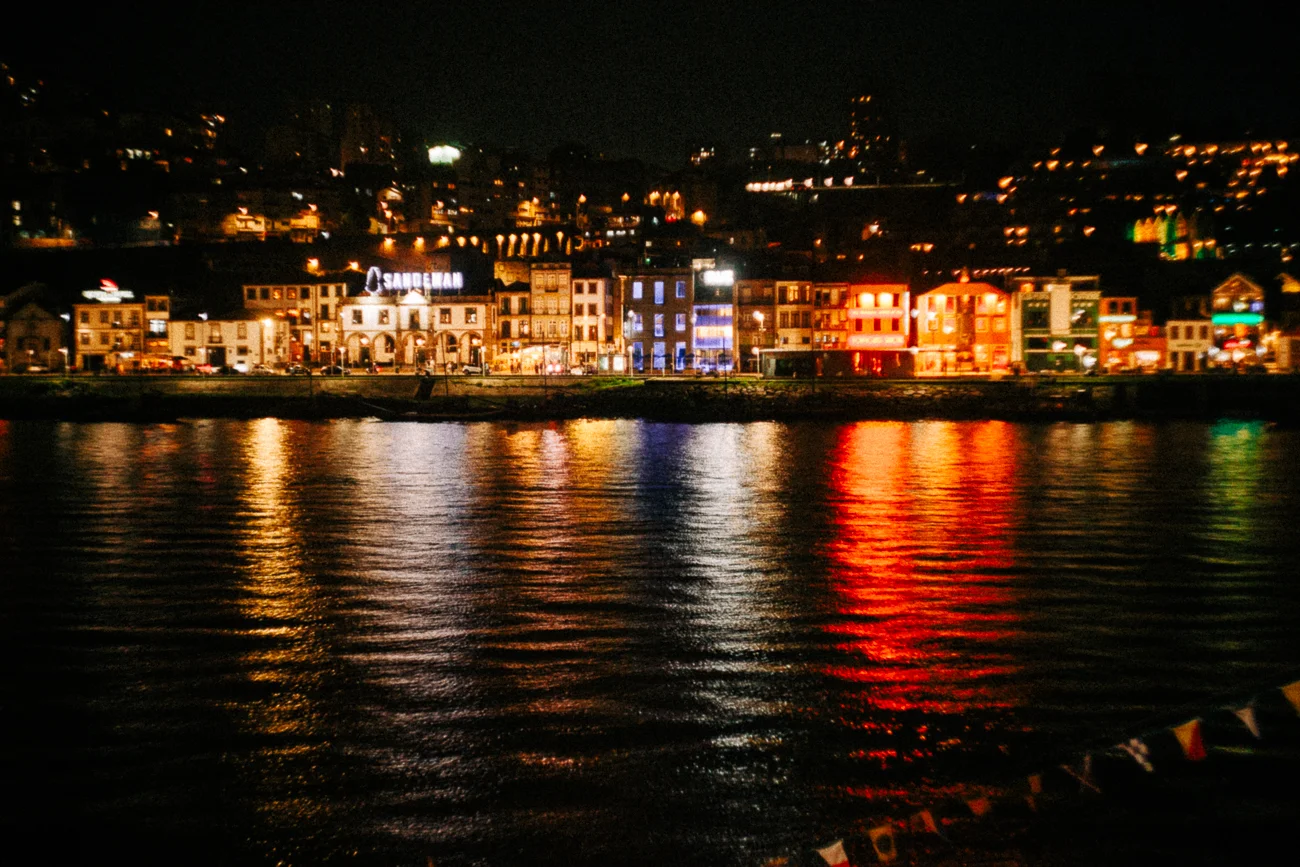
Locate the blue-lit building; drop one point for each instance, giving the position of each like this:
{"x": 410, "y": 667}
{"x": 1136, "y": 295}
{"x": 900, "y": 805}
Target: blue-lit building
{"x": 714, "y": 317}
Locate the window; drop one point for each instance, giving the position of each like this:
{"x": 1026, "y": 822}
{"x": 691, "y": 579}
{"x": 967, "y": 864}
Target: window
{"x": 592, "y": 310}
{"x": 681, "y": 321}
{"x": 189, "y": 330}
{"x": 241, "y": 350}
{"x": 103, "y": 338}
{"x": 679, "y": 356}
{"x": 383, "y": 316}
{"x": 592, "y": 333}
{"x": 85, "y": 338}
{"x": 134, "y": 319}
{"x": 523, "y": 305}
{"x": 275, "y": 294}
{"x": 505, "y": 306}
{"x": 241, "y": 331}
{"x": 1000, "y": 323}
{"x": 636, "y": 290}
{"x": 292, "y": 293}
{"x": 659, "y": 325}
{"x": 324, "y": 311}
{"x": 444, "y": 315}
{"x": 1036, "y": 318}
{"x": 305, "y": 293}
{"x": 413, "y": 321}
{"x": 471, "y": 316}
{"x": 564, "y": 329}
{"x": 981, "y": 323}
{"x": 250, "y": 294}
{"x": 266, "y": 293}
{"x": 659, "y": 291}
{"x": 637, "y": 324}
{"x": 505, "y": 329}
{"x": 579, "y": 288}
{"x": 681, "y": 288}
{"x": 214, "y": 332}
{"x": 1173, "y": 332}
{"x": 659, "y": 356}
{"x": 638, "y": 357}
{"x": 85, "y": 317}
{"x": 356, "y": 317}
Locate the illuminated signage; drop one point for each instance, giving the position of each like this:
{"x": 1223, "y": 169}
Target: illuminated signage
{"x": 718, "y": 278}
{"x": 877, "y": 341}
{"x": 428, "y": 281}
{"x": 875, "y": 313}
{"x": 1237, "y": 318}
{"x": 1119, "y": 317}
{"x": 443, "y": 155}
{"x": 108, "y": 293}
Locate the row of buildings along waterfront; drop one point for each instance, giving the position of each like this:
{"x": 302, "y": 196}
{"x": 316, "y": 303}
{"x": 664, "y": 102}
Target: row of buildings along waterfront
{"x": 556, "y": 316}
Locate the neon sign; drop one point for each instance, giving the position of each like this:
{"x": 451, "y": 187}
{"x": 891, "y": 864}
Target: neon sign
{"x": 718, "y": 278}
{"x": 108, "y": 293}
{"x": 877, "y": 341}
{"x": 429, "y": 281}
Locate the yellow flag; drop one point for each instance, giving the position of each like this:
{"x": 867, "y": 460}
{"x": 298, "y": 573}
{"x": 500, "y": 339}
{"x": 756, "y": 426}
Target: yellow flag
{"x": 834, "y": 854}
{"x": 1292, "y": 693}
{"x": 1189, "y": 737}
{"x": 882, "y": 840}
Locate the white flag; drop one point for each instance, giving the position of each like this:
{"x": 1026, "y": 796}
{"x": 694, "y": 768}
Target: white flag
{"x": 1140, "y": 752}
{"x": 1247, "y": 716}
{"x": 834, "y": 854}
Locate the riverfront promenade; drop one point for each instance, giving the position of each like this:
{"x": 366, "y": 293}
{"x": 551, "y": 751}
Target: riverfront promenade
{"x": 1268, "y": 397}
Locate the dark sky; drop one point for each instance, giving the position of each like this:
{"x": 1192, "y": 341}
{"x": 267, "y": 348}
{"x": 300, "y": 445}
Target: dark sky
{"x": 649, "y": 79}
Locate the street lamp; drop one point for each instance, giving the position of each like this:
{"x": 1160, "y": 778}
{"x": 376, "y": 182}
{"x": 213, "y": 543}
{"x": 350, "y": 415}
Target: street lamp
{"x": 758, "y": 317}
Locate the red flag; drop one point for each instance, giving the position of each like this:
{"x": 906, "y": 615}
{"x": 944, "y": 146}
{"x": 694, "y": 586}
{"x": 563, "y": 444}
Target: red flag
{"x": 1189, "y": 737}
{"x": 979, "y": 806}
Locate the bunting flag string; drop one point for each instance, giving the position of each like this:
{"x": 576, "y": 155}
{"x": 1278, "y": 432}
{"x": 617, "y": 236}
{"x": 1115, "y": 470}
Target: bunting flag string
{"x": 1247, "y": 716}
{"x": 882, "y": 840}
{"x": 1189, "y": 737}
{"x": 834, "y": 854}
{"x": 1292, "y": 693}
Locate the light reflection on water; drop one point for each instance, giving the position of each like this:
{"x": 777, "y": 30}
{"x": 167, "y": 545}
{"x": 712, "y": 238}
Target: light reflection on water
{"x": 606, "y": 641}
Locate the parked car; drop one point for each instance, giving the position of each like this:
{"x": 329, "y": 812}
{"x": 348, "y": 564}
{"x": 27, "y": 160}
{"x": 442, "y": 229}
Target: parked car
{"x": 297, "y": 370}
{"x": 335, "y": 370}
{"x": 473, "y": 370}
{"x": 263, "y": 370}
{"x": 204, "y": 369}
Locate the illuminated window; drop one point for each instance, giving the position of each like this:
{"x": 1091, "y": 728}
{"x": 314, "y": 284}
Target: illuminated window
{"x": 659, "y": 325}
{"x": 592, "y": 333}
{"x": 681, "y": 288}
{"x": 383, "y": 316}
{"x": 291, "y": 293}
{"x": 659, "y": 291}
{"x": 241, "y": 331}
{"x": 275, "y": 294}
{"x": 85, "y": 338}
{"x": 636, "y": 290}
{"x": 679, "y": 356}
{"x": 414, "y": 321}
{"x": 444, "y": 315}
{"x": 356, "y": 317}
{"x": 681, "y": 321}
{"x": 981, "y": 323}
{"x": 660, "y": 356}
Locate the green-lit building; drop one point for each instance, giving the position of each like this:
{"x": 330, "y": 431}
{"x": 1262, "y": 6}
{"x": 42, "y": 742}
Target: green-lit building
{"x": 1055, "y": 323}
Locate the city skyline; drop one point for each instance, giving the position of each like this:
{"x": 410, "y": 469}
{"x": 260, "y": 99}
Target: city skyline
{"x": 652, "y": 82}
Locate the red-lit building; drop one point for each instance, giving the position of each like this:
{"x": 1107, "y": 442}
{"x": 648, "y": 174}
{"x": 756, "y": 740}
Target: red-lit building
{"x": 963, "y": 328}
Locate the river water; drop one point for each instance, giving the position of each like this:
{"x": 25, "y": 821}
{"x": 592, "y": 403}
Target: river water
{"x": 602, "y": 642}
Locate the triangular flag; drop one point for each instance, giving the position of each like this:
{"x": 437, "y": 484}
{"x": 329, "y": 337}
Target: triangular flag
{"x": 924, "y": 821}
{"x": 979, "y": 806}
{"x": 882, "y": 840}
{"x": 778, "y": 861}
{"x": 1036, "y": 784}
{"x": 834, "y": 854}
{"x": 1189, "y": 737}
{"x": 1247, "y": 716}
{"x": 1292, "y": 693}
{"x": 1083, "y": 774}
{"x": 1140, "y": 752}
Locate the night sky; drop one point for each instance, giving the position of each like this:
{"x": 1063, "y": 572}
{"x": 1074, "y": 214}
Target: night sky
{"x": 650, "y": 79}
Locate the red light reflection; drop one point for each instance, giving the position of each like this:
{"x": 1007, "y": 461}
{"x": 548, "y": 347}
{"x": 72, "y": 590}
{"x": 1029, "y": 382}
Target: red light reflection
{"x": 923, "y": 515}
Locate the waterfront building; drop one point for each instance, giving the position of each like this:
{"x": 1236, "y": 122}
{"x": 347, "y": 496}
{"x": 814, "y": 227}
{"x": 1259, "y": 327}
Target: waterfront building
{"x": 755, "y": 320}
{"x": 551, "y": 302}
{"x": 713, "y": 320}
{"x": 1188, "y": 344}
{"x": 657, "y": 311}
{"x": 115, "y": 332}
{"x": 241, "y": 342}
{"x": 1237, "y": 312}
{"x": 514, "y": 325}
{"x": 306, "y": 311}
{"x": 1055, "y": 322}
{"x": 31, "y": 338}
{"x": 831, "y": 325}
{"x": 412, "y": 330}
{"x": 963, "y": 328}
{"x": 594, "y": 312}
{"x": 794, "y": 314}
{"x": 1117, "y": 318}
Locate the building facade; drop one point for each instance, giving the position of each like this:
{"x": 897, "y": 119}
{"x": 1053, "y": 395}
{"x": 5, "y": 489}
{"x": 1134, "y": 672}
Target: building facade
{"x": 1055, "y": 323}
{"x": 657, "y": 311}
{"x": 1188, "y": 343}
{"x": 594, "y": 311}
{"x": 114, "y": 332}
{"x": 308, "y": 311}
{"x": 241, "y": 343}
{"x": 32, "y": 339}
{"x": 755, "y": 320}
{"x": 963, "y": 328}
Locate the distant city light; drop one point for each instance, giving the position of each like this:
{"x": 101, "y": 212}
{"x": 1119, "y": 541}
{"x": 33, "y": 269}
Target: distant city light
{"x": 443, "y": 155}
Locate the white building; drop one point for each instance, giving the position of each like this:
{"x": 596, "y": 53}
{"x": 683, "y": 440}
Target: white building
{"x": 308, "y": 311}
{"x": 414, "y": 331}
{"x": 593, "y": 323}
{"x": 239, "y": 343}
{"x": 1187, "y": 343}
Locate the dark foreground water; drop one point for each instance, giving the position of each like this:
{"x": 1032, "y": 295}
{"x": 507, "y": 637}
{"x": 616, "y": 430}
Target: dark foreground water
{"x": 601, "y": 642}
